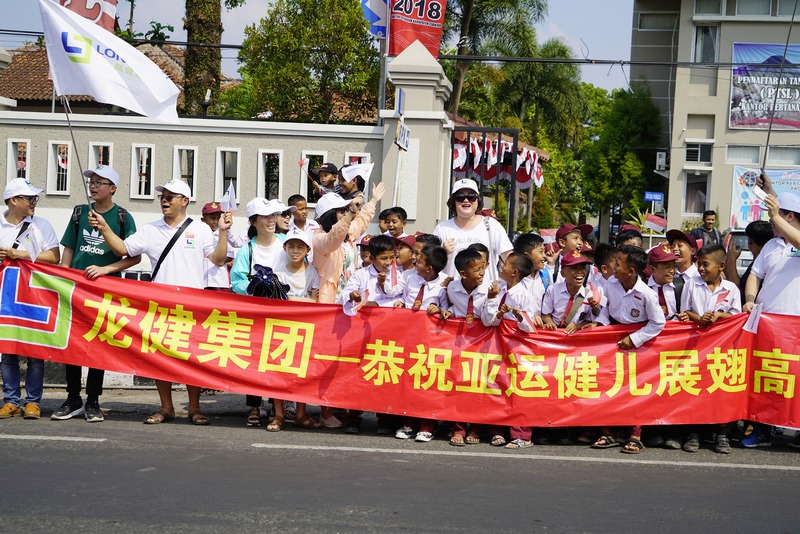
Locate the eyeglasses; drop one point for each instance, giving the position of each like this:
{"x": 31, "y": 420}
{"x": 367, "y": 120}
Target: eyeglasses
{"x": 461, "y": 197}
{"x": 30, "y": 200}
{"x": 169, "y": 198}
{"x": 286, "y": 214}
{"x": 94, "y": 183}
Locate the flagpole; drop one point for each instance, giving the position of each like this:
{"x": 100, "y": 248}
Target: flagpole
{"x": 67, "y": 111}
{"x": 384, "y": 62}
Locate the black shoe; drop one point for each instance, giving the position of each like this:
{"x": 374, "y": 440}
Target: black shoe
{"x": 352, "y": 427}
{"x": 93, "y": 413}
{"x": 68, "y": 410}
{"x": 721, "y": 444}
{"x": 692, "y": 443}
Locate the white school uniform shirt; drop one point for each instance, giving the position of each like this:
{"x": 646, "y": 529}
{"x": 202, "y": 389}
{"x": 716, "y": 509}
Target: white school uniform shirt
{"x": 401, "y": 236}
{"x": 458, "y": 298}
{"x": 555, "y": 303}
{"x": 433, "y": 292}
{"x": 217, "y": 275}
{"x": 535, "y": 286}
{"x": 490, "y": 233}
{"x": 702, "y": 300}
{"x": 183, "y": 264}
{"x": 517, "y": 297}
{"x": 367, "y": 280}
{"x": 41, "y": 230}
{"x": 669, "y": 296}
{"x": 778, "y": 266}
{"x": 639, "y": 305}
{"x": 301, "y": 283}
{"x": 689, "y": 276}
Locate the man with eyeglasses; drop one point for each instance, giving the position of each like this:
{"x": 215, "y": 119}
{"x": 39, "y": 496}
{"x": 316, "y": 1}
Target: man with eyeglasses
{"x": 19, "y": 221}
{"x": 182, "y": 265}
{"x": 86, "y": 250}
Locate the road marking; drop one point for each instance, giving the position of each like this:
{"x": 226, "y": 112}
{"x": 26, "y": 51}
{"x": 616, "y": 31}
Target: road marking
{"x": 49, "y": 438}
{"x": 526, "y": 456}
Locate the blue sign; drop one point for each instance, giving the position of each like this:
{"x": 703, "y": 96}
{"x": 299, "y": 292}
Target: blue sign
{"x": 653, "y": 196}
{"x": 375, "y": 13}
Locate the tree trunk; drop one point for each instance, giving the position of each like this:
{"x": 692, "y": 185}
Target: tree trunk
{"x": 463, "y": 49}
{"x": 202, "y": 65}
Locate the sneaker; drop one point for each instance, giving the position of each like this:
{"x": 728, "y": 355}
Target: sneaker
{"x": 352, "y": 427}
{"x": 795, "y": 443}
{"x": 32, "y": 411}
{"x": 9, "y": 410}
{"x": 68, "y": 410}
{"x": 330, "y": 422}
{"x": 756, "y": 439}
{"x": 423, "y": 437}
{"x": 672, "y": 443}
{"x": 721, "y": 444}
{"x": 692, "y": 443}
{"x": 404, "y": 433}
{"x": 93, "y": 413}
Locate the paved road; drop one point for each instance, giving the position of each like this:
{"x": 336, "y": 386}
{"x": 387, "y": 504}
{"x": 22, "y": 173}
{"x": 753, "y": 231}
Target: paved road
{"x": 122, "y": 476}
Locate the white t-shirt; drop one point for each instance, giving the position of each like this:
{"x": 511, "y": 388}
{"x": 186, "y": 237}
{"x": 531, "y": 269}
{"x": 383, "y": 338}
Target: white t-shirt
{"x": 41, "y": 229}
{"x": 725, "y": 297}
{"x": 778, "y": 266}
{"x": 217, "y": 275}
{"x": 183, "y": 264}
{"x": 494, "y": 237}
{"x": 271, "y": 256}
{"x": 300, "y": 283}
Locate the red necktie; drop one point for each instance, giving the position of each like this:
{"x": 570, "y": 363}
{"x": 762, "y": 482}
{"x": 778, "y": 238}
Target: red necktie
{"x": 418, "y": 300}
{"x": 470, "y": 319}
{"x": 566, "y": 313}
{"x": 662, "y": 300}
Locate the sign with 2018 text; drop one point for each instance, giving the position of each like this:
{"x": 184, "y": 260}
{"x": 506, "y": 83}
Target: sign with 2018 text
{"x": 416, "y": 20}
{"x": 427, "y": 368}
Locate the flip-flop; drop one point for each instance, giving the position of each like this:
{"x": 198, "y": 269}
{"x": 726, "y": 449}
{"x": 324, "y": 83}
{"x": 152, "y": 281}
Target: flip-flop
{"x": 605, "y": 442}
{"x": 457, "y": 441}
{"x": 498, "y": 441}
{"x": 472, "y": 439}
{"x": 637, "y": 443}
{"x": 161, "y": 416}
{"x": 276, "y": 424}
{"x": 519, "y": 444}
{"x": 197, "y": 418}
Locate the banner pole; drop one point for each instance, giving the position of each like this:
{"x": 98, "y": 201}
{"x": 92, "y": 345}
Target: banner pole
{"x": 384, "y": 64}
{"x": 67, "y": 111}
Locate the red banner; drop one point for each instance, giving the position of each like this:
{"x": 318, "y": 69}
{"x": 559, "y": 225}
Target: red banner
{"x": 101, "y": 12}
{"x": 402, "y": 362}
{"x": 416, "y": 20}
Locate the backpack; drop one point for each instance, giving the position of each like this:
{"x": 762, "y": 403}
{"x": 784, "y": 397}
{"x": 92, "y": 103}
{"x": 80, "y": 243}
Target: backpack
{"x": 122, "y": 218}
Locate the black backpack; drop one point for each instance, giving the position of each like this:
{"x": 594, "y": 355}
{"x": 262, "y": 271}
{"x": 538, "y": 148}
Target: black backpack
{"x": 122, "y": 218}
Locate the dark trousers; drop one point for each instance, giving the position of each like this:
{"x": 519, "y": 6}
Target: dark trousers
{"x": 94, "y": 381}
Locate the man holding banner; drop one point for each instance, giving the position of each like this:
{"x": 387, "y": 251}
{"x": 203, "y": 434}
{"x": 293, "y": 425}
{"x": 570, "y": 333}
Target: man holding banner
{"x": 24, "y": 236}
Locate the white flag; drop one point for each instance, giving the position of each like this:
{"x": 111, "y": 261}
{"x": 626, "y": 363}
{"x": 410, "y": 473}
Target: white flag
{"x": 363, "y": 170}
{"x": 229, "y": 200}
{"x": 29, "y": 242}
{"x": 85, "y": 59}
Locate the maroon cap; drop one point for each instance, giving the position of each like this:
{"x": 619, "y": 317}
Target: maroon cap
{"x": 574, "y": 258}
{"x": 631, "y": 227}
{"x": 672, "y": 235}
{"x": 564, "y": 229}
{"x": 364, "y": 242}
{"x": 587, "y": 249}
{"x": 212, "y": 207}
{"x": 552, "y": 248}
{"x": 661, "y": 254}
{"x": 326, "y": 167}
{"x": 408, "y": 241}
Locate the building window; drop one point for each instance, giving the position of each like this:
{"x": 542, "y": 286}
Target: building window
{"x": 658, "y": 21}
{"x": 100, "y": 154}
{"x": 58, "y": 162}
{"x": 753, "y": 7}
{"x": 18, "y": 159}
{"x": 356, "y": 157}
{"x": 698, "y": 153}
{"x": 708, "y": 7}
{"x": 269, "y": 173}
{"x": 783, "y": 155}
{"x": 142, "y": 160}
{"x": 786, "y": 8}
{"x": 705, "y": 44}
{"x": 184, "y": 166}
{"x": 696, "y": 193}
{"x": 227, "y": 171}
{"x": 748, "y": 154}
{"x": 312, "y": 161}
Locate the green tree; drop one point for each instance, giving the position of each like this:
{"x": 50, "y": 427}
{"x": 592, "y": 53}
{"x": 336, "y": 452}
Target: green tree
{"x": 307, "y": 59}
{"x": 158, "y": 33}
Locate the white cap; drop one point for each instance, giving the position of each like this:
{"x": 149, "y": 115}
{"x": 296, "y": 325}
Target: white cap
{"x": 179, "y": 187}
{"x": 789, "y": 202}
{"x": 20, "y": 187}
{"x": 328, "y": 202}
{"x": 465, "y": 183}
{"x": 262, "y": 206}
{"x": 297, "y": 234}
{"x": 104, "y": 171}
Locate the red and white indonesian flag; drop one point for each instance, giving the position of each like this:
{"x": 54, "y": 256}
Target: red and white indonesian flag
{"x": 101, "y": 12}
{"x": 87, "y": 60}
{"x": 654, "y": 222}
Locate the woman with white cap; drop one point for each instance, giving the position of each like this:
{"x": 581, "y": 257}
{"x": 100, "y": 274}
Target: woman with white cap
{"x": 467, "y": 227}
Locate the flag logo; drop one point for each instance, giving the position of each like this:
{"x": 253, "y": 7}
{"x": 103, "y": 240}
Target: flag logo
{"x": 81, "y": 51}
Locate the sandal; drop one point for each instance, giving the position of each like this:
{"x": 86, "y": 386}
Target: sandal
{"x": 606, "y": 441}
{"x": 254, "y": 417}
{"x": 498, "y": 441}
{"x": 276, "y": 424}
{"x": 307, "y": 422}
{"x": 161, "y": 416}
{"x": 457, "y": 440}
{"x": 472, "y": 439}
{"x": 633, "y": 446}
{"x": 519, "y": 444}
{"x": 197, "y": 418}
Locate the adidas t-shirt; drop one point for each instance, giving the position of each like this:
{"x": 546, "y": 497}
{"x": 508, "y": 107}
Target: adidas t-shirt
{"x": 88, "y": 244}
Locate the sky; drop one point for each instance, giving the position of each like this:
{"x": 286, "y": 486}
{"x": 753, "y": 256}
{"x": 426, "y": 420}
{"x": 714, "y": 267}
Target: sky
{"x": 604, "y": 27}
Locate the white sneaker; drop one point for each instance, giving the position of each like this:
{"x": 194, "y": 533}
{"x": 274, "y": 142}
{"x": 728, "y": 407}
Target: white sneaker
{"x": 423, "y": 437}
{"x": 330, "y": 422}
{"x": 404, "y": 433}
